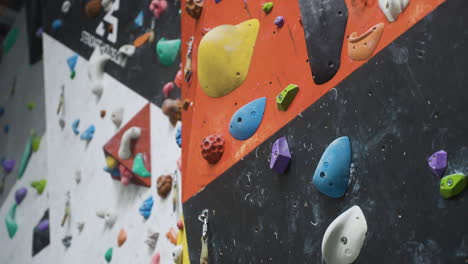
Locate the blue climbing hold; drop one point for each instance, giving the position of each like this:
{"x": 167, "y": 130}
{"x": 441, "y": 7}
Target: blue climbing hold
{"x": 245, "y": 121}
{"x": 71, "y": 61}
{"x": 6, "y": 129}
{"x": 139, "y": 19}
{"x": 178, "y": 136}
{"x": 217, "y": 1}
{"x": 332, "y": 174}
{"x": 145, "y": 209}
{"x": 57, "y": 24}
{"x": 113, "y": 172}
{"x": 75, "y": 125}
{"x": 2, "y": 111}
{"x": 88, "y": 133}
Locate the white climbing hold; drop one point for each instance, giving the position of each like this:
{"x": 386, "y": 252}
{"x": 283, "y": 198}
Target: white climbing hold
{"x": 97, "y": 61}
{"x": 109, "y": 216}
{"x": 117, "y": 116}
{"x": 66, "y": 6}
{"x": 344, "y": 237}
{"x": 124, "y": 150}
{"x": 128, "y": 50}
{"x": 393, "y": 8}
{"x": 107, "y": 5}
{"x": 177, "y": 254}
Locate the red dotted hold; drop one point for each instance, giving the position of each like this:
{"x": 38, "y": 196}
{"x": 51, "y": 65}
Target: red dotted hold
{"x": 212, "y": 148}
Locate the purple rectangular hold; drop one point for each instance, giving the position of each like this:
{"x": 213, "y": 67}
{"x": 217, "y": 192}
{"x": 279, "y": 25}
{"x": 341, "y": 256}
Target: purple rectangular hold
{"x": 280, "y": 155}
{"x": 438, "y": 162}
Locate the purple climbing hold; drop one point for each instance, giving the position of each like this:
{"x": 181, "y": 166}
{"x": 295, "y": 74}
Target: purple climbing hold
{"x": 39, "y": 32}
{"x": 280, "y": 155}
{"x": 8, "y": 165}
{"x": 438, "y": 162}
{"x": 43, "y": 225}
{"x": 20, "y": 194}
{"x": 279, "y": 21}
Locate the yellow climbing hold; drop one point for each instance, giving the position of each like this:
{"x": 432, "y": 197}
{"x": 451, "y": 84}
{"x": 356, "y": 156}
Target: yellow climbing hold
{"x": 111, "y": 162}
{"x": 224, "y": 57}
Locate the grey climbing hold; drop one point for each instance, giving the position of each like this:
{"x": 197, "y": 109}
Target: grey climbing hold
{"x": 66, "y": 241}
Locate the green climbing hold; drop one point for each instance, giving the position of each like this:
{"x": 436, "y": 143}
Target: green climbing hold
{"x": 31, "y": 106}
{"x": 39, "y": 185}
{"x": 139, "y": 166}
{"x": 72, "y": 75}
{"x": 25, "y": 158}
{"x": 452, "y": 185}
{"x": 167, "y": 51}
{"x": 108, "y": 255}
{"x": 10, "y": 221}
{"x": 10, "y": 40}
{"x": 267, "y": 7}
{"x": 285, "y": 98}
{"x": 35, "y": 142}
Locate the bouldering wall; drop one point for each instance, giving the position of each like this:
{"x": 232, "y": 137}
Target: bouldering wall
{"x": 21, "y": 85}
{"x": 97, "y": 190}
{"x": 94, "y": 216}
{"x": 387, "y": 101}
{"x": 22, "y": 111}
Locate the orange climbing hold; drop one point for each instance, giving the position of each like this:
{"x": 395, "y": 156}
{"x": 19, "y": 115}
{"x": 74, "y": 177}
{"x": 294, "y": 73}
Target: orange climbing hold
{"x": 362, "y": 47}
{"x": 142, "y": 39}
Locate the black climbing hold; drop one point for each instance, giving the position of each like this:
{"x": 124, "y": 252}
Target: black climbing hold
{"x": 324, "y": 25}
{"x": 41, "y": 236}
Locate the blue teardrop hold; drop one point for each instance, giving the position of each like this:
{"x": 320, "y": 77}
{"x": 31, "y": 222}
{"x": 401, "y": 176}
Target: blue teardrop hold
{"x": 245, "y": 121}
{"x": 71, "y": 61}
{"x": 145, "y": 209}
{"x": 332, "y": 174}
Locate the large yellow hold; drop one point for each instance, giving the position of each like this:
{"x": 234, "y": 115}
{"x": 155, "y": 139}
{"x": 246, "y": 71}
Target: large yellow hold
{"x": 224, "y": 57}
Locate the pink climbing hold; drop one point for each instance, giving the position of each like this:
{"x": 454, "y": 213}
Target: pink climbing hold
{"x": 179, "y": 163}
{"x": 179, "y": 78}
{"x": 167, "y": 89}
{"x": 158, "y": 7}
{"x": 156, "y": 259}
{"x": 125, "y": 175}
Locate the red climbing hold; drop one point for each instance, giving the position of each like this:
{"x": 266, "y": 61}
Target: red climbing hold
{"x": 212, "y": 148}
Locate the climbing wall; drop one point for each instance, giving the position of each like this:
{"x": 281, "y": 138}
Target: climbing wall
{"x": 397, "y": 107}
{"x": 86, "y": 199}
